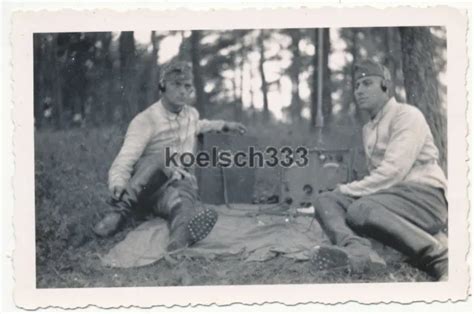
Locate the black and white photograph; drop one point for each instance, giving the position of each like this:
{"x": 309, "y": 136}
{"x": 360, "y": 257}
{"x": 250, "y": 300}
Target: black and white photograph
{"x": 120, "y": 116}
{"x": 207, "y": 157}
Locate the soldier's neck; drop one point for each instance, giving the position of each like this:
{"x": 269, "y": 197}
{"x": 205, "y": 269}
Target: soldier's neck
{"x": 171, "y": 108}
{"x": 373, "y": 113}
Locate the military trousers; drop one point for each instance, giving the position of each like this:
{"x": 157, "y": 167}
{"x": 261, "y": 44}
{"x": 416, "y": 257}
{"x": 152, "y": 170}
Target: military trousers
{"x": 387, "y": 216}
{"x": 150, "y": 191}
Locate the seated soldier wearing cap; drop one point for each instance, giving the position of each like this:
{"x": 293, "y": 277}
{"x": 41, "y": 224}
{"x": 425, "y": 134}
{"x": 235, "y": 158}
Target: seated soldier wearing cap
{"x": 139, "y": 178}
{"x": 401, "y": 202}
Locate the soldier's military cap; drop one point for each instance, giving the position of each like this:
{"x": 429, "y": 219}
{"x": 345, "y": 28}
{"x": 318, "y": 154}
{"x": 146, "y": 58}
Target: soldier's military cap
{"x": 368, "y": 67}
{"x": 177, "y": 71}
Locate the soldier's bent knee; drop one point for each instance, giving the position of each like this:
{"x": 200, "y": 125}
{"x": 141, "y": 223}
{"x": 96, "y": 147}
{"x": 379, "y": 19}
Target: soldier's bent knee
{"x": 359, "y": 211}
{"x": 324, "y": 200}
{"x": 327, "y": 197}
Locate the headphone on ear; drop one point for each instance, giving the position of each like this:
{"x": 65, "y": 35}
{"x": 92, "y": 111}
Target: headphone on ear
{"x": 383, "y": 86}
{"x": 386, "y": 79}
{"x": 161, "y": 86}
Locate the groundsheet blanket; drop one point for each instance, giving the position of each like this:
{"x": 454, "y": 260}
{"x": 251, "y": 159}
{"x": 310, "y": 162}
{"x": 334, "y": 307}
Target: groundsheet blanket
{"x": 242, "y": 231}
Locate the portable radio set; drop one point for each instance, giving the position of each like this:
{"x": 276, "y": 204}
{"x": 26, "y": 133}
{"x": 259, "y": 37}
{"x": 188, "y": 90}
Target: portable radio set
{"x": 298, "y": 185}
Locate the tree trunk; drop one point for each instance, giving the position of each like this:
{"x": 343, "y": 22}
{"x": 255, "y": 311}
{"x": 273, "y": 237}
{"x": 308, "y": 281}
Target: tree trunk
{"x": 326, "y": 83}
{"x": 108, "y": 99}
{"x": 314, "y": 85}
{"x": 389, "y": 61}
{"x": 252, "y": 97}
{"x": 317, "y": 91}
{"x": 198, "y": 82}
{"x": 57, "y": 95}
{"x": 241, "y": 57}
{"x": 355, "y": 59}
{"x": 237, "y": 96}
{"x": 127, "y": 75}
{"x": 75, "y": 91}
{"x": 261, "y": 63}
{"x": 153, "y": 91}
{"x": 100, "y": 79}
{"x": 39, "y": 86}
{"x": 294, "y": 71}
{"x": 421, "y": 83}
{"x": 239, "y": 105}
{"x": 96, "y": 81}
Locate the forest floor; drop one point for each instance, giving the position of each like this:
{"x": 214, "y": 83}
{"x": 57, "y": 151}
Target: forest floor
{"x": 70, "y": 192}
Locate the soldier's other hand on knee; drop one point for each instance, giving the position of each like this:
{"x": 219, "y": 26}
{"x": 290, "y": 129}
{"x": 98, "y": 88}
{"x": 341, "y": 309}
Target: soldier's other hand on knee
{"x": 176, "y": 173}
{"x": 337, "y": 189}
{"x": 117, "y": 191}
{"x": 171, "y": 173}
{"x": 184, "y": 174}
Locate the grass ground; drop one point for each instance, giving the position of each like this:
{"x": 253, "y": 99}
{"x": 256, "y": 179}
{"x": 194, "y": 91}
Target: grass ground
{"x": 71, "y": 174}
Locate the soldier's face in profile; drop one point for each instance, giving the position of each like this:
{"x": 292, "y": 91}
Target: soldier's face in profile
{"x": 179, "y": 93}
{"x": 368, "y": 93}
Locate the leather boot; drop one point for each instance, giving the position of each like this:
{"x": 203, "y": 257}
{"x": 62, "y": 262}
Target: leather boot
{"x": 363, "y": 258}
{"x": 191, "y": 229}
{"x": 356, "y": 257}
{"x": 189, "y": 222}
{"x": 109, "y": 224}
{"x": 329, "y": 257}
{"x": 146, "y": 180}
{"x": 113, "y": 219}
{"x": 423, "y": 250}
{"x": 352, "y": 251}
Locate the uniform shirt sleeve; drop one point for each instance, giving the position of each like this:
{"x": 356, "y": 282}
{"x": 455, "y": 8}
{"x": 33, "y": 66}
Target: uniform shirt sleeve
{"x": 136, "y": 139}
{"x": 210, "y": 125}
{"x": 408, "y": 134}
{"x": 204, "y": 125}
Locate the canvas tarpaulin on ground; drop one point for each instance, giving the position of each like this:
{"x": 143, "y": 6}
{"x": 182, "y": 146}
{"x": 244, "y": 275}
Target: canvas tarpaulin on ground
{"x": 241, "y": 231}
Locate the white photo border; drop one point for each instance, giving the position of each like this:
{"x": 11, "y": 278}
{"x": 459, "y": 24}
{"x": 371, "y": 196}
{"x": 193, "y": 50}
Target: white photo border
{"x": 26, "y": 23}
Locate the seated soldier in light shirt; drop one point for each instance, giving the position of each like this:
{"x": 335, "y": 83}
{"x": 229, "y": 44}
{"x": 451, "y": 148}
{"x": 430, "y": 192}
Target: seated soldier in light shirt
{"x": 401, "y": 202}
{"x": 138, "y": 177}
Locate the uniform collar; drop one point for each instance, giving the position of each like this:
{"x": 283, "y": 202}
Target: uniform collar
{"x": 386, "y": 108}
{"x": 171, "y": 115}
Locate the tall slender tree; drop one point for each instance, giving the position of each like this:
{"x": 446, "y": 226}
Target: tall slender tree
{"x": 153, "y": 92}
{"x": 355, "y": 58}
{"x": 242, "y": 56}
{"x": 198, "y": 81}
{"x": 294, "y": 74}
{"x": 389, "y": 61}
{"x": 39, "y": 82}
{"x": 57, "y": 101}
{"x": 327, "y": 87}
{"x": 261, "y": 63}
{"x": 321, "y": 87}
{"x": 421, "y": 82}
{"x": 107, "y": 68}
{"x": 127, "y": 75}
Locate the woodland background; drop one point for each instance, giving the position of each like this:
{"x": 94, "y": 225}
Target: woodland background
{"x": 286, "y": 85}
{"x": 98, "y": 79}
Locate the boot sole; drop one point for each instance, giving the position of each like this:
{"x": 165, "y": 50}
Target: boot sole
{"x": 329, "y": 257}
{"x": 202, "y": 224}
